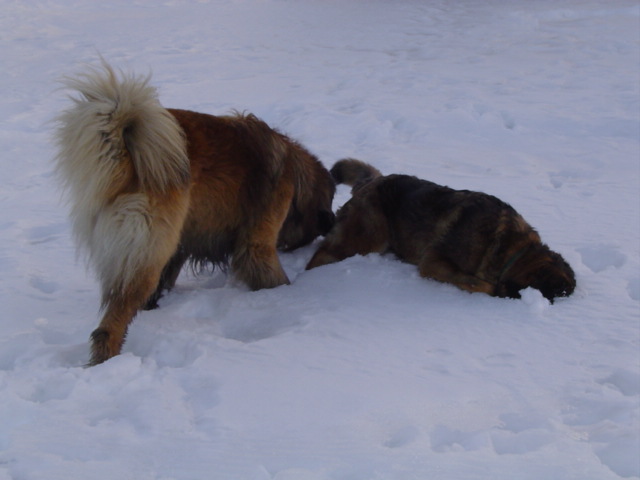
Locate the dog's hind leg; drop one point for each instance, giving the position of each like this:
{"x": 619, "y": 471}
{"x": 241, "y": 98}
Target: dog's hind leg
{"x": 133, "y": 239}
{"x": 120, "y": 309}
{"x": 434, "y": 266}
{"x": 168, "y": 278}
{"x": 121, "y": 306}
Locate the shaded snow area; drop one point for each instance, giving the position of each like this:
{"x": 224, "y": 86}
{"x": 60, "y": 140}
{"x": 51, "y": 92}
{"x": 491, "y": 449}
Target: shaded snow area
{"x": 359, "y": 370}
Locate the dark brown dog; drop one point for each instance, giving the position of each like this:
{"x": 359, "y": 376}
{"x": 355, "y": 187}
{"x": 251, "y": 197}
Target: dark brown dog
{"x": 470, "y": 239}
{"x": 152, "y": 188}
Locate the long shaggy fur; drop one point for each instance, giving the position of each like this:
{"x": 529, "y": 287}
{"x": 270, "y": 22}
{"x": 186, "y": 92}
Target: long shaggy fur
{"x": 117, "y": 134}
{"x": 151, "y": 188}
{"x": 470, "y": 239}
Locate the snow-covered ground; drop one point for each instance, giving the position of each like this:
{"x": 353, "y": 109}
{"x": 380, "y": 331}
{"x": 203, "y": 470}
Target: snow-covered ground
{"x": 359, "y": 370}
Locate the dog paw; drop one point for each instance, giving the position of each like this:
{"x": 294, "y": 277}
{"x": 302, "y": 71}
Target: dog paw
{"x": 102, "y": 348}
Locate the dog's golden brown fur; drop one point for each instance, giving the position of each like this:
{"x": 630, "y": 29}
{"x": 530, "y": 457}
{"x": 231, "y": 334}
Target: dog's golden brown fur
{"x": 151, "y": 188}
{"x": 470, "y": 239}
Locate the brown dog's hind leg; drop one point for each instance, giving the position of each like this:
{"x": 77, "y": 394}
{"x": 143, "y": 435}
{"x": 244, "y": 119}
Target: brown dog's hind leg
{"x": 120, "y": 309}
{"x": 139, "y": 240}
{"x": 168, "y": 279}
{"x": 438, "y": 268}
{"x": 107, "y": 339}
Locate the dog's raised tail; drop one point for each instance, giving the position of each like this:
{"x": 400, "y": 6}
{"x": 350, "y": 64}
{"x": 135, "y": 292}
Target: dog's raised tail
{"x": 118, "y": 119}
{"x": 354, "y": 173}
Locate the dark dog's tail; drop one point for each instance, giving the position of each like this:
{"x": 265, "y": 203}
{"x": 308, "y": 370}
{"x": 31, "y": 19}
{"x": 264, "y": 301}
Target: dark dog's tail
{"x": 354, "y": 173}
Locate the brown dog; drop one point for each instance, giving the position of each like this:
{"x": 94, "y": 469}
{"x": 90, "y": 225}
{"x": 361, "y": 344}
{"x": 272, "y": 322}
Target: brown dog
{"x": 470, "y": 239}
{"x": 152, "y": 188}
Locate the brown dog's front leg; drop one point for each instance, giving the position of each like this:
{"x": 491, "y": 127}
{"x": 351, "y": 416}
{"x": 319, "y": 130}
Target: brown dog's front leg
{"x": 256, "y": 260}
{"x": 258, "y": 266}
{"x": 359, "y": 230}
{"x": 341, "y": 244}
{"x": 324, "y": 256}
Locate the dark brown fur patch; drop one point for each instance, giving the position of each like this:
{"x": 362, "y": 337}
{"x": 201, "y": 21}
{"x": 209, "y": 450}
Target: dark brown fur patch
{"x": 252, "y": 188}
{"x": 470, "y": 239}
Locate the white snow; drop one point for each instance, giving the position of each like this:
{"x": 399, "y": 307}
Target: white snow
{"x": 359, "y": 370}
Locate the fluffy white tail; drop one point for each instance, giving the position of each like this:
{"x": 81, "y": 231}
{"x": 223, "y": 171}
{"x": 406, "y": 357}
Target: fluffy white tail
{"x": 116, "y": 116}
{"x": 117, "y": 148}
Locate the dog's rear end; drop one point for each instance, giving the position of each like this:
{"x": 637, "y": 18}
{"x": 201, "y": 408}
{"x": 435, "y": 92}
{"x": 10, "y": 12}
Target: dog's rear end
{"x": 122, "y": 158}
